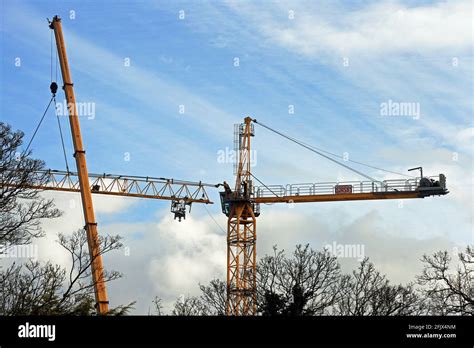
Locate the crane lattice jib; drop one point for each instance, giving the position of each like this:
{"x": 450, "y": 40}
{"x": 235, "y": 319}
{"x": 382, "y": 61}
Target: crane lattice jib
{"x": 121, "y": 185}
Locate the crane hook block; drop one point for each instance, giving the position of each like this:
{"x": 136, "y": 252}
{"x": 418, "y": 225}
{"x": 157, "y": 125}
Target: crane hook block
{"x": 53, "y": 87}
{"x": 178, "y": 208}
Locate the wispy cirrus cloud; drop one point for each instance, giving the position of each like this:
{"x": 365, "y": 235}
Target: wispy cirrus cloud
{"x": 377, "y": 28}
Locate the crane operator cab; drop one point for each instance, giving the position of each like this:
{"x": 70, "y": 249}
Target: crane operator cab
{"x": 229, "y": 196}
{"x": 225, "y": 198}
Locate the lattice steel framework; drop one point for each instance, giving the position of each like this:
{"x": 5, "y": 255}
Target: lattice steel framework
{"x": 242, "y": 235}
{"x": 121, "y": 185}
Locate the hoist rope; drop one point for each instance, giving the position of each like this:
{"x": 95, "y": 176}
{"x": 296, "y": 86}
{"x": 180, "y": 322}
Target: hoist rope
{"x": 53, "y": 98}
{"x": 57, "y": 59}
{"x": 215, "y": 221}
{"x": 37, "y": 127}
{"x": 51, "y": 55}
{"x": 61, "y": 134}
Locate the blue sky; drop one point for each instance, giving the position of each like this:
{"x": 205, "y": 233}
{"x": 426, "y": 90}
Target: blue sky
{"x": 336, "y": 62}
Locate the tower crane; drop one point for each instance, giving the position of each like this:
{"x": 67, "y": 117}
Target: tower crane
{"x": 181, "y": 193}
{"x": 242, "y": 207}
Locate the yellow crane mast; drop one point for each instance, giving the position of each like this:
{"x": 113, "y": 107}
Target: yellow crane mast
{"x": 242, "y": 206}
{"x": 242, "y": 234}
{"x": 100, "y": 290}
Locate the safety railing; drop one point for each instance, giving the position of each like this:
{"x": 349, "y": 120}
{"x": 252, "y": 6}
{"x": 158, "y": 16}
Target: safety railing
{"x": 323, "y": 188}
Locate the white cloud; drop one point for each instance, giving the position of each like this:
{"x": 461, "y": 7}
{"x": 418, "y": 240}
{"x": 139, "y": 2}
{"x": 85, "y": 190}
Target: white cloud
{"x": 394, "y": 248}
{"x": 193, "y": 253}
{"x": 165, "y": 258}
{"x": 72, "y": 220}
{"x": 395, "y": 253}
{"x": 384, "y": 27}
{"x": 71, "y": 202}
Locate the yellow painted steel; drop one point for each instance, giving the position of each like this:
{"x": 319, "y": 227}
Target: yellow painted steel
{"x": 242, "y": 238}
{"x": 338, "y": 197}
{"x": 241, "y": 225}
{"x": 102, "y": 303}
{"x": 120, "y": 185}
